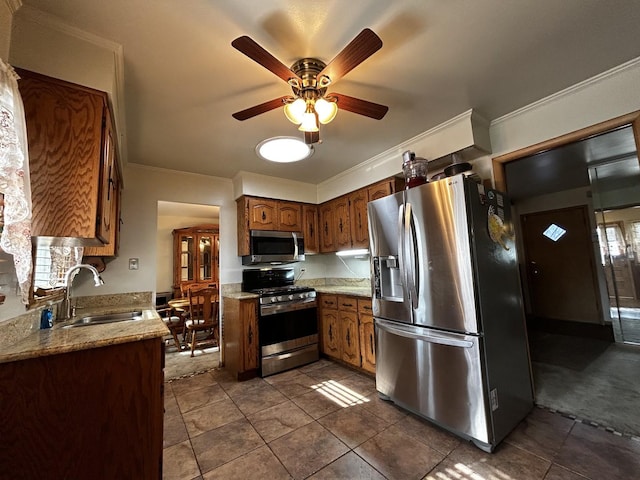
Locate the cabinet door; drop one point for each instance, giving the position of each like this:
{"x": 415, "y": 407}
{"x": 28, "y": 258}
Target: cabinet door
{"x": 289, "y": 217}
{"x": 186, "y": 262}
{"x": 358, "y": 217}
{"x": 65, "y": 132}
{"x": 367, "y": 343}
{"x": 331, "y": 335}
{"x": 350, "y": 337}
{"x": 263, "y": 214}
{"x": 205, "y": 257}
{"x": 380, "y": 189}
{"x": 250, "y": 351}
{"x": 310, "y": 228}
{"x": 326, "y": 228}
{"x": 215, "y": 260}
{"x": 342, "y": 239}
{"x": 107, "y": 182}
{"x": 111, "y": 248}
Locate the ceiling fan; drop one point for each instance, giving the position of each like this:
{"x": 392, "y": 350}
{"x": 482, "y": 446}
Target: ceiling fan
{"x": 309, "y": 79}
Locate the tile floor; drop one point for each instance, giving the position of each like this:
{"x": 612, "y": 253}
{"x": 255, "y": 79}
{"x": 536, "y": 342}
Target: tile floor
{"x": 324, "y": 421}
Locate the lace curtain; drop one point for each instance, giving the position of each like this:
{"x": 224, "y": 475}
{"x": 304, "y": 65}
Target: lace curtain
{"x": 14, "y": 179}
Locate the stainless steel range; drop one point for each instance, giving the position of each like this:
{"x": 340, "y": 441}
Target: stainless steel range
{"x": 287, "y": 319}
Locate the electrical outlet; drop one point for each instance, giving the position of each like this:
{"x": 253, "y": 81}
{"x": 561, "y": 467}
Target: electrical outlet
{"x": 133, "y": 264}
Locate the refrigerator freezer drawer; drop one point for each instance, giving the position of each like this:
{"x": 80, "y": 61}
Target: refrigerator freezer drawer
{"x": 435, "y": 374}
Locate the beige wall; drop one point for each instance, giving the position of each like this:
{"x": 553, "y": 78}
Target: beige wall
{"x": 144, "y": 187}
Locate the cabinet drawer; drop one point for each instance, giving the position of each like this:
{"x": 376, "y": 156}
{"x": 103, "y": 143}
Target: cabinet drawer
{"x": 328, "y": 301}
{"x": 364, "y": 306}
{"x": 347, "y": 304}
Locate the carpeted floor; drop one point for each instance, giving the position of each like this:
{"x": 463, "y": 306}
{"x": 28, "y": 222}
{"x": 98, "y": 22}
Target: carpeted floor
{"x": 591, "y": 379}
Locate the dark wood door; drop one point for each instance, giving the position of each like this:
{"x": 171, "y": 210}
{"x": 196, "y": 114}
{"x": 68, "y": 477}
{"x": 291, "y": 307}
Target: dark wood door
{"x": 561, "y": 273}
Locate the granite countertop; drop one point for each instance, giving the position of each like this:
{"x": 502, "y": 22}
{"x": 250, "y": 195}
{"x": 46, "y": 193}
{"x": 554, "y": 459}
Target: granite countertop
{"x": 240, "y": 295}
{"x": 344, "y": 290}
{"x": 58, "y": 339}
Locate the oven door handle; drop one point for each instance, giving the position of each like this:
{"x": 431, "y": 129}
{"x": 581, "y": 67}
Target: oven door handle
{"x": 307, "y": 303}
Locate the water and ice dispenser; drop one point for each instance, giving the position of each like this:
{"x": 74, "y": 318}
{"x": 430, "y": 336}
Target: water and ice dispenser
{"x": 388, "y": 279}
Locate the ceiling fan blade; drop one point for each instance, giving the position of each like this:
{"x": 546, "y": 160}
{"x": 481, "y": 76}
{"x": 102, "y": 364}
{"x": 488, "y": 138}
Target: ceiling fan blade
{"x": 362, "y": 47}
{"x": 262, "y": 108}
{"x": 311, "y": 137}
{"x": 258, "y": 54}
{"x": 359, "y": 106}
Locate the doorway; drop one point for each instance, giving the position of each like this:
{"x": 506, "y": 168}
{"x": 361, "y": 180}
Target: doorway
{"x": 578, "y": 371}
{"x": 172, "y": 216}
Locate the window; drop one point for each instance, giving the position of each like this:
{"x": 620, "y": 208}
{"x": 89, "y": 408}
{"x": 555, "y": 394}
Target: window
{"x": 52, "y": 263}
{"x": 611, "y": 241}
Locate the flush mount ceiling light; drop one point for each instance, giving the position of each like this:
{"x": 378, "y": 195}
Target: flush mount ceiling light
{"x": 309, "y": 78}
{"x": 284, "y": 149}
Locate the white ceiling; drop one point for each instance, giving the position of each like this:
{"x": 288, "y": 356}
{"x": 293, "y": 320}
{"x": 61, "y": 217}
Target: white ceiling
{"x": 183, "y": 80}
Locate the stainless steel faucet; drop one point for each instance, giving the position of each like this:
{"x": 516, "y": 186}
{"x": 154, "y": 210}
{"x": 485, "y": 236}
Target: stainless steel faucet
{"x": 67, "y": 281}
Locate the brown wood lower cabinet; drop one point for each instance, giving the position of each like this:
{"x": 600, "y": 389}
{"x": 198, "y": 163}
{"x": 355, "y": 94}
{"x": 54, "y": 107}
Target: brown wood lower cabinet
{"x": 367, "y": 335}
{"x": 241, "y": 351}
{"x": 347, "y": 330}
{"x": 93, "y": 413}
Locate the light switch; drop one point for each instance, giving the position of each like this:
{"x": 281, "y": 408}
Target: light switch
{"x": 133, "y": 264}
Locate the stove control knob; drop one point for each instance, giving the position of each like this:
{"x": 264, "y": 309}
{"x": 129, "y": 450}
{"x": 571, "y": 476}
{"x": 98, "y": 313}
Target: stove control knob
{"x": 290, "y": 297}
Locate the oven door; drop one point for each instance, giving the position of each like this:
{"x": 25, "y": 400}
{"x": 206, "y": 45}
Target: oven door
{"x": 288, "y": 339}
{"x": 288, "y": 330}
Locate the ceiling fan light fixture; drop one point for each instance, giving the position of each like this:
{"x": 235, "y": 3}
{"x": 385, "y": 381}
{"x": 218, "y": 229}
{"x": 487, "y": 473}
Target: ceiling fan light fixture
{"x": 326, "y": 110}
{"x": 284, "y": 149}
{"x": 309, "y": 120}
{"x": 294, "y": 110}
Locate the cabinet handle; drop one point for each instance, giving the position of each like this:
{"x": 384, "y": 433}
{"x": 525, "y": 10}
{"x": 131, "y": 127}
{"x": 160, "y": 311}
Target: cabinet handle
{"x": 359, "y": 221}
{"x": 110, "y": 184}
{"x": 340, "y": 225}
{"x": 371, "y": 342}
{"x": 330, "y": 334}
{"x": 349, "y": 338}
{"x": 250, "y": 335}
{"x": 326, "y": 228}
{"x": 311, "y": 230}
{"x": 264, "y": 215}
{"x": 347, "y": 304}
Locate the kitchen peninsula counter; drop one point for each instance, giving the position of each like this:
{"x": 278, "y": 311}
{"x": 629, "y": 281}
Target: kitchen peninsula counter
{"x": 57, "y": 340}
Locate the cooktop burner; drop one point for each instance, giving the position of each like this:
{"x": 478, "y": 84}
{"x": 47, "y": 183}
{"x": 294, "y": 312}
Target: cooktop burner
{"x": 271, "y": 282}
{"x": 281, "y": 290}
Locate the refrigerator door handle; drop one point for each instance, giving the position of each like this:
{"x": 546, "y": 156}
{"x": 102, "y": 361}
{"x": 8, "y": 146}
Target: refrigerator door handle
{"x": 409, "y": 237}
{"x": 410, "y": 332}
{"x": 401, "y": 256}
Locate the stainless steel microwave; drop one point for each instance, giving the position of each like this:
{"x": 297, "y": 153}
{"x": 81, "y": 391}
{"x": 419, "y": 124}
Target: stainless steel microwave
{"x": 274, "y": 248}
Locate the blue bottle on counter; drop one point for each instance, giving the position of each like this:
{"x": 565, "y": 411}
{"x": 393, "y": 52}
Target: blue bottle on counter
{"x": 46, "y": 318}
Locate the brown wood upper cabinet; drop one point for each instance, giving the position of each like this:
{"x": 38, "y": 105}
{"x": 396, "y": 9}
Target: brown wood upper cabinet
{"x": 72, "y": 158}
{"x": 310, "y": 228}
{"x": 255, "y": 213}
{"x": 344, "y": 221}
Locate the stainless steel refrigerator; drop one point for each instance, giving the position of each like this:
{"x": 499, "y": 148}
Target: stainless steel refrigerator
{"x": 451, "y": 340}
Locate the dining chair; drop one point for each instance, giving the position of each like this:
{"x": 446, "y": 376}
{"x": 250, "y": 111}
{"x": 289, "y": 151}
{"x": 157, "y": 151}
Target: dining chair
{"x": 175, "y": 322}
{"x": 203, "y": 316}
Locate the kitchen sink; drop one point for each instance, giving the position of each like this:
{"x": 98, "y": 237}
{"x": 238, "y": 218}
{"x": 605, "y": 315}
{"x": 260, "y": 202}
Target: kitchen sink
{"x": 107, "y": 318}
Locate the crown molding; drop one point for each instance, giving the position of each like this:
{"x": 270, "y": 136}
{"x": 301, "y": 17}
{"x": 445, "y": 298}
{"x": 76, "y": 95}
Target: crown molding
{"x": 569, "y": 91}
